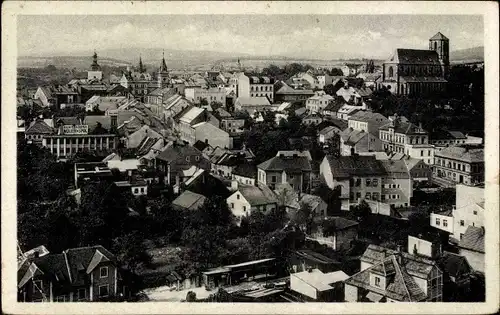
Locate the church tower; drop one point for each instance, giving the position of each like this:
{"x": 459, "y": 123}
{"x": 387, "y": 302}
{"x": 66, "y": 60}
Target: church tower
{"x": 163, "y": 74}
{"x": 95, "y": 72}
{"x": 441, "y": 44}
{"x": 142, "y": 69}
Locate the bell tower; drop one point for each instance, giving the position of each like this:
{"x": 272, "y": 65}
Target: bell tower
{"x": 441, "y": 44}
{"x": 163, "y": 73}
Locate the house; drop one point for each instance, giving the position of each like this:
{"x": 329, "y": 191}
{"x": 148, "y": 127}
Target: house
{"x": 332, "y": 109}
{"x": 357, "y": 95}
{"x": 306, "y": 259}
{"x": 46, "y": 95}
{"x": 287, "y": 93}
{"x": 367, "y": 121}
{"x": 335, "y": 232}
{"x": 393, "y": 276}
{"x": 105, "y": 103}
{"x": 77, "y": 274}
{"x": 294, "y": 169}
{"x": 442, "y": 220}
{"x": 212, "y": 135}
{"x": 245, "y": 174}
{"x": 224, "y": 165}
{"x": 136, "y": 184}
{"x": 357, "y": 177}
{"x": 316, "y": 286}
{"x": 354, "y": 141}
{"x": 471, "y": 246}
{"x": 255, "y": 87}
{"x": 312, "y": 120}
{"x": 445, "y": 138}
{"x": 420, "y": 172}
{"x": 248, "y": 198}
{"x": 188, "y": 200}
{"x": 252, "y": 104}
{"x": 188, "y": 118}
{"x": 210, "y": 94}
{"x": 468, "y": 210}
{"x": 318, "y": 102}
{"x": 90, "y": 172}
{"x": 327, "y": 133}
{"x": 462, "y": 164}
{"x": 370, "y": 79}
{"x": 177, "y": 157}
{"x": 397, "y": 186}
{"x": 37, "y": 131}
{"x": 456, "y": 275}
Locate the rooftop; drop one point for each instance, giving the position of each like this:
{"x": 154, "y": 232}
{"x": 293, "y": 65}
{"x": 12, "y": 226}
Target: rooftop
{"x": 286, "y": 163}
{"x": 347, "y": 166}
{"x": 473, "y": 239}
{"x": 466, "y": 153}
{"x": 189, "y": 200}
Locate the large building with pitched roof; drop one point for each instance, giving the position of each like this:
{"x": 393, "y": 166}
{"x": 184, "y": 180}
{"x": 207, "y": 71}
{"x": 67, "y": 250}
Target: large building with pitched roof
{"x": 418, "y": 71}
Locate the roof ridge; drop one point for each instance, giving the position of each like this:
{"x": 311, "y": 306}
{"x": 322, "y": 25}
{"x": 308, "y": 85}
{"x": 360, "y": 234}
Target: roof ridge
{"x": 398, "y": 268}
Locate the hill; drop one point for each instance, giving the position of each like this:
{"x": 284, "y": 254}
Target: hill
{"x": 469, "y": 54}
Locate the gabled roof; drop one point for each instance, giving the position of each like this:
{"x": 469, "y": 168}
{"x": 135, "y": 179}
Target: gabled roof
{"x": 352, "y": 136}
{"x": 417, "y": 56}
{"x": 367, "y": 116}
{"x": 68, "y": 120}
{"x": 347, "y": 166}
{"x": 39, "y": 127}
{"x": 311, "y": 200}
{"x": 396, "y": 168}
{"x": 191, "y": 114}
{"x": 287, "y": 163}
{"x": 257, "y": 196}
{"x": 454, "y": 265}
{"x": 253, "y": 101}
{"x": 473, "y": 239}
{"x": 327, "y": 130}
{"x": 189, "y": 200}
{"x": 287, "y": 90}
{"x": 403, "y": 127}
{"x": 471, "y": 154}
{"x": 338, "y": 223}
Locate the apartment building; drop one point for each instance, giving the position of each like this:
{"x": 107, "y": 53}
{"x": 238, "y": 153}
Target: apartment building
{"x": 253, "y": 86}
{"x": 462, "y": 164}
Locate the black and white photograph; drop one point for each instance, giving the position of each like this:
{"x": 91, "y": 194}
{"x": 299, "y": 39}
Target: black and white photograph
{"x": 263, "y": 157}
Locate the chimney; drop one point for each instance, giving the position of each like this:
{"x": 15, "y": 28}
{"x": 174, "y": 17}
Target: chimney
{"x": 36, "y": 254}
{"x": 352, "y": 152}
{"x": 309, "y": 269}
{"x": 234, "y": 185}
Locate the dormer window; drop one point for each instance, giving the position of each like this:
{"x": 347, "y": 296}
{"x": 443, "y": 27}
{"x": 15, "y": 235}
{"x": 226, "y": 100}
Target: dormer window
{"x": 103, "y": 272}
{"x": 377, "y": 281}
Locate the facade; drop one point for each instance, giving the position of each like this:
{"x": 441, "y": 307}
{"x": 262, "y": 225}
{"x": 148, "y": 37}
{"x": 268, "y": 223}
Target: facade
{"x": 252, "y": 104}
{"x": 443, "y": 220}
{"x": 45, "y": 96}
{"x": 462, "y": 164}
{"x": 245, "y": 174}
{"x": 357, "y": 177}
{"x": 327, "y": 133}
{"x": 76, "y": 275}
{"x": 471, "y": 246}
{"x": 37, "y": 131}
{"x": 367, "y": 121}
{"x": 336, "y": 232}
{"x": 293, "y": 169}
{"x": 211, "y": 135}
{"x": 252, "y": 86}
{"x": 468, "y": 210}
{"x": 397, "y": 186}
{"x": 445, "y": 138}
{"x": 248, "y": 198}
{"x": 358, "y": 141}
{"x": 288, "y": 94}
{"x": 318, "y": 102}
{"x": 414, "y": 72}
{"x": 232, "y": 125}
{"x": 316, "y": 286}
{"x": 210, "y": 94}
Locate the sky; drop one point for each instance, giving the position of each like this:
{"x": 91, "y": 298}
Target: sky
{"x": 314, "y": 36}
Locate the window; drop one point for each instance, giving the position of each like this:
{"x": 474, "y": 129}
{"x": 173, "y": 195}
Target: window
{"x": 428, "y": 152}
{"x": 358, "y": 182}
{"x": 136, "y": 190}
{"x": 438, "y": 221}
{"x": 368, "y": 182}
{"x": 273, "y": 179}
{"x": 445, "y": 223}
{"x": 291, "y": 176}
{"x": 187, "y": 158}
{"x": 62, "y": 298}
{"x": 377, "y": 281}
{"x": 462, "y": 223}
{"x": 368, "y": 196}
{"x": 461, "y": 235}
{"x": 103, "y": 290}
{"x": 375, "y": 182}
{"x": 382, "y": 197}
{"x": 37, "y": 286}
{"x": 197, "y": 158}
{"x": 358, "y": 195}
{"x": 375, "y": 196}
{"x": 322, "y": 212}
{"x": 81, "y": 294}
{"x": 421, "y": 152}
{"x": 232, "y": 205}
{"x": 103, "y": 271}
{"x": 244, "y": 208}
{"x": 238, "y": 196}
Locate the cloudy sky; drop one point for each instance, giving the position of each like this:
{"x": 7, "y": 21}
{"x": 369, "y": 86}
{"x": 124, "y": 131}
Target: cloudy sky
{"x": 314, "y": 36}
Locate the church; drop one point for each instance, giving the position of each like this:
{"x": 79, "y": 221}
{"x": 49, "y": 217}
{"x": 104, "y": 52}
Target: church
{"x": 418, "y": 71}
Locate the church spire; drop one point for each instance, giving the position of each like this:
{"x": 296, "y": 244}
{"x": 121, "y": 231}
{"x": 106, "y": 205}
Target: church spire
{"x": 142, "y": 69}
{"x": 95, "y": 66}
{"x": 163, "y": 67}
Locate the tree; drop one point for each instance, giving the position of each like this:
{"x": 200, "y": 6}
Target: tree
{"x": 191, "y": 296}
{"x": 203, "y": 102}
{"x": 304, "y": 218}
{"x": 130, "y": 250}
{"x": 336, "y": 72}
{"x": 333, "y": 146}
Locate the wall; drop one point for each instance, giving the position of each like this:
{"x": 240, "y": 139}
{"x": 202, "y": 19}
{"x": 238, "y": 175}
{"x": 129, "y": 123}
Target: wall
{"x": 404, "y": 191}
{"x": 365, "y": 265}
{"x": 421, "y": 152}
{"x": 466, "y": 199}
{"x": 109, "y": 280}
{"x": 442, "y": 218}
{"x": 350, "y": 293}
{"x": 244, "y": 180}
{"x": 423, "y": 247}
{"x": 383, "y": 283}
{"x": 215, "y": 136}
{"x": 243, "y": 86}
{"x": 239, "y": 207}
{"x": 378, "y": 207}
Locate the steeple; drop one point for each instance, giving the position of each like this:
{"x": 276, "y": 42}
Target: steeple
{"x": 142, "y": 69}
{"x": 163, "y": 67}
{"x": 95, "y": 66}
{"x": 441, "y": 44}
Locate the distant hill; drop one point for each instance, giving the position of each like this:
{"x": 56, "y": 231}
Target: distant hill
{"x": 70, "y": 62}
{"x": 469, "y": 54}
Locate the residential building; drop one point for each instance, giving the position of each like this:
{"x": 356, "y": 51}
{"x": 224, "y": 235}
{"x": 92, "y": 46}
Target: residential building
{"x": 224, "y": 165}
{"x": 76, "y": 275}
{"x": 367, "y": 121}
{"x": 393, "y": 276}
{"x": 248, "y": 198}
{"x": 160, "y": 96}
{"x": 416, "y": 72}
{"x": 354, "y": 141}
{"x": 188, "y": 200}
{"x": 397, "y": 186}
{"x": 105, "y": 103}
{"x": 252, "y": 104}
{"x": 462, "y": 164}
{"x": 253, "y": 86}
{"x": 356, "y": 96}
{"x": 210, "y": 94}
{"x": 336, "y": 233}
{"x": 468, "y": 210}
{"x": 370, "y": 79}
{"x": 312, "y": 120}
{"x": 327, "y": 133}
{"x": 443, "y": 220}
{"x": 420, "y": 172}
{"x": 90, "y": 172}
{"x": 445, "y": 138}
{"x": 294, "y": 169}
{"x": 357, "y": 177}
{"x": 471, "y": 246}
{"x": 288, "y": 94}
{"x": 37, "y": 131}
{"x": 45, "y": 95}
{"x": 306, "y": 259}
{"x": 245, "y": 174}
{"x": 135, "y": 184}
{"x": 318, "y": 102}
{"x": 188, "y": 118}
{"x": 457, "y": 274}
{"x": 316, "y": 286}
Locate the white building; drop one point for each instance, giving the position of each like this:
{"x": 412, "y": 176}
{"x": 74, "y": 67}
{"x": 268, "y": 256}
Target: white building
{"x": 469, "y": 209}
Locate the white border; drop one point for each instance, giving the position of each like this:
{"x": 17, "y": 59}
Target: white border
{"x": 489, "y": 11}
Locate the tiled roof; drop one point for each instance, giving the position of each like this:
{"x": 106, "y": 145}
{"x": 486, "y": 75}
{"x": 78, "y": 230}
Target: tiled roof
{"x": 403, "y": 127}
{"x": 246, "y": 170}
{"x": 277, "y": 163}
{"x": 191, "y": 114}
{"x": 327, "y": 130}
{"x": 396, "y": 168}
{"x": 255, "y": 195}
{"x": 473, "y": 239}
{"x": 471, "y": 154}
{"x": 439, "y": 36}
{"x": 417, "y": 56}
{"x": 454, "y": 265}
{"x": 174, "y": 151}
{"x": 352, "y": 136}
{"x": 310, "y": 200}
{"x": 287, "y": 90}
{"x": 400, "y": 285}
{"x": 39, "y": 127}
{"x": 68, "y": 120}
{"x": 347, "y": 166}
{"x": 338, "y": 223}
{"x": 422, "y": 79}
{"x": 253, "y": 101}
{"x": 314, "y": 256}
{"x": 189, "y": 200}
{"x": 200, "y": 145}
{"x": 367, "y": 116}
